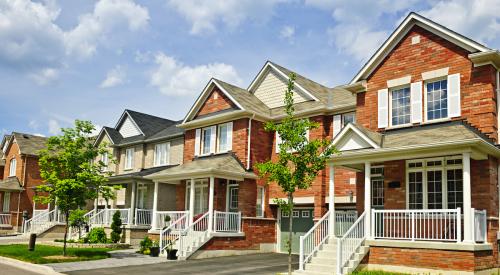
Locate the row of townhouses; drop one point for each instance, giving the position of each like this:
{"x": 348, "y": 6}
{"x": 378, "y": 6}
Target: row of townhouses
{"x": 415, "y": 187}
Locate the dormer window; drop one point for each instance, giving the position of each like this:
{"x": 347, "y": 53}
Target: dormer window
{"x": 12, "y": 167}
{"x": 437, "y": 99}
{"x": 400, "y": 106}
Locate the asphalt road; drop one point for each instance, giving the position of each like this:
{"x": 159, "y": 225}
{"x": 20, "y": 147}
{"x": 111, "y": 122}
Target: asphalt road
{"x": 259, "y": 264}
{"x": 12, "y": 270}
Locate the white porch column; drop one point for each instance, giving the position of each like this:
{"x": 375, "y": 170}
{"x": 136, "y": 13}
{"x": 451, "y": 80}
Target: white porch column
{"x": 211, "y": 204}
{"x": 191, "y": 202}
{"x": 154, "y": 222}
{"x": 467, "y": 198}
{"x": 96, "y": 203}
{"x": 368, "y": 207}
{"x": 132, "y": 217}
{"x": 331, "y": 201}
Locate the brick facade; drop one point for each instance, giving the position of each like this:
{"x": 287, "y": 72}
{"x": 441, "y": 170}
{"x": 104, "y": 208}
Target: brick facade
{"x": 216, "y": 102}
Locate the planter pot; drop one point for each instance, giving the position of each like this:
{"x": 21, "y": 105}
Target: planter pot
{"x": 154, "y": 251}
{"x": 172, "y": 254}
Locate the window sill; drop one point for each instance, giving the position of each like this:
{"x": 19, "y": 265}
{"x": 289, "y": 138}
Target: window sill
{"x": 436, "y": 121}
{"x": 213, "y": 154}
{"x": 427, "y": 122}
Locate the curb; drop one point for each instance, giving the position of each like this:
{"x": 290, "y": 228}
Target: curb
{"x": 40, "y": 269}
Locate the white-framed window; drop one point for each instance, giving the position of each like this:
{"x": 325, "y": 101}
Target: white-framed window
{"x": 200, "y": 196}
{"x": 261, "y": 195}
{"x": 223, "y": 138}
{"x": 284, "y": 214}
{"x": 233, "y": 197}
{"x": 296, "y": 214}
{"x": 348, "y": 118}
{"x": 436, "y": 95}
{"x": 105, "y": 160}
{"x": 206, "y": 136}
{"x": 6, "y": 202}
{"x": 12, "y": 167}
{"x": 305, "y": 213}
{"x": 161, "y": 155}
{"x": 129, "y": 158}
{"x": 435, "y": 183}
{"x": 400, "y": 106}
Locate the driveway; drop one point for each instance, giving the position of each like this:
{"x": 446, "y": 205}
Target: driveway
{"x": 260, "y": 264}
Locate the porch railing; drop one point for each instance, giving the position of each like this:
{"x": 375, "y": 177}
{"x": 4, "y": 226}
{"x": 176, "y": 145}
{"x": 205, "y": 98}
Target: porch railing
{"x": 42, "y": 222}
{"x": 344, "y": 220}
{"x": 227, "y": 221}
{"x": 313, "y": 239}
{"x": 105, "y": 216}
{"x": 424, "y": 224}
{"x": 170, "y": 235}
{"x": 143, "y": 216}
{"x": 5, "y": 219}
{"x": 479, "y": 229}
{"x": 174, "y": 216}
{"x": 348, "y": 244}
{"x": 37, "y": 212}
{"x": 192, "y": 234}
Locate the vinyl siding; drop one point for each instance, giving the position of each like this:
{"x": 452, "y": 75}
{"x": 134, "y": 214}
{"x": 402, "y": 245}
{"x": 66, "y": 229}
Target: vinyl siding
{"x": 272, "y": 89}
{"x": 128, "y": 129}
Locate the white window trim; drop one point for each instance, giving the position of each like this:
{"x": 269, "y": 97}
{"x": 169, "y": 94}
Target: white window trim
{"x": 343, "y": 119}
{"x": 127, "y": 165}
{"x": 12, "y": 167}
{"x": 156, "y": 161}
{"x": 198, "y": 184}
{"x": 389, "y": 96}
{"x": 219, "y": 132}
{"x": 444, "y": 185}
{"x": 424, "y": 83}
{"x": 202, "y": 141}
{"x": 105, "y": 160}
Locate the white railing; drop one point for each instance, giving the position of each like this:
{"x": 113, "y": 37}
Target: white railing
{"x": 313, "y": 239}
{"x": 344, "y": 220}
{"x": 105, "y": 216}
{"x": 143, "y": 216}
{"x": 42, "y": 222}
{"x": 5, "y": 219}
{"x": 170, "y": 235}
{"x": 424, "y": 224}
{"x": 227, "y": 221}
{"x": 348, "y": 244}
{"x": 98, "y": 217}
{"x": 37, "y": 212}
{"x": 191, "y": 235}
{"x": 479, "y": 229}
{"x": 174, "y": 215}
{"x": 76, "y": 233}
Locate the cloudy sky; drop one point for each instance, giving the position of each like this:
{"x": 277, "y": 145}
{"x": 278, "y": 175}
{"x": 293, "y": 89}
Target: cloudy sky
{"x": 63, "y": 60}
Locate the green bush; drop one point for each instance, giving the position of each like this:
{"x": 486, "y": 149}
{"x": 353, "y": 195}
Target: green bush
{"x": 116, "y": 227}
{"x": 145, "y": 245}
{"x": 97, "y": 235}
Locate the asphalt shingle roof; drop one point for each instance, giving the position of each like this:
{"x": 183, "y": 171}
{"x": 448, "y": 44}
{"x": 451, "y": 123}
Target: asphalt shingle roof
{"x": 10, "y": 184}
{"x": 30, "y": 144}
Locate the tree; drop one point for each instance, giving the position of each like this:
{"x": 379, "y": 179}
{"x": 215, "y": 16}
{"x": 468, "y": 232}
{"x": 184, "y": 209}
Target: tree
{"x": 116, "y": 227}
{"x": 77, "y": 219}
{"x": 299, "y": 159}
{"x": 69, "y": 170}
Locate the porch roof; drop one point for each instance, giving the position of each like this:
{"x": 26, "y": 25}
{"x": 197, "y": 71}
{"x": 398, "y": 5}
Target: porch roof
{"x": 358, "y": 144}
{"x": 140, "y": 174}
{"x": 10, "y": 184}
{"x": 224, "y": 165}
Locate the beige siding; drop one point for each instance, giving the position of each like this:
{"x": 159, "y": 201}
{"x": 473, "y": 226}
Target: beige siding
{"x": 138, "y": 161}
{"x": 271, "y": 90}
{"x": 113, "y": 153}
{"x": 128, "y": 129}
{"x": 175, "y": 155}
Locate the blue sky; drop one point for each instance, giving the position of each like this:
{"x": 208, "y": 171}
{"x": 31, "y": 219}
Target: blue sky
{"x": 83, "y": 59}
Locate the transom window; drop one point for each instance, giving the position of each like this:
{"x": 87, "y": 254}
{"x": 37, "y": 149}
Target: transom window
{"x": 206, "y": 136}
{"x": 400, "y": 106}
{"x": 12, "y": 167}
{"x": 129, "y": 158}
{"x": 161, "y": 154}
{"x": 437, "y": 99}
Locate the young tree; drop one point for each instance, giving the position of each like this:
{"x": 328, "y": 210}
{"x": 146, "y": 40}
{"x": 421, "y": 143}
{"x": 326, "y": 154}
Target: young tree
{"x": 69, "y": 170}
{"x": 299, "y": 159}
{"x": 77, "y": 219}
{"x": 116, "y": 227}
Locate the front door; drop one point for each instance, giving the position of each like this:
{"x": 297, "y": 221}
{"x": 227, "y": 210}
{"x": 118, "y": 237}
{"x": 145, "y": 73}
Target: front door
{"x": 302, "y": 222}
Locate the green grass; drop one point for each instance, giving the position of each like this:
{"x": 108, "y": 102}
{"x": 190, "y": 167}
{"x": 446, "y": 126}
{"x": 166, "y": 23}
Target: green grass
{"x": 375, "y": 272}
{"x": 20, "y": 252}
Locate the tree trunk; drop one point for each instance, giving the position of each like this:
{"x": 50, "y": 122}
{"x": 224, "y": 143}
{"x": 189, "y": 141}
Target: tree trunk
{"x": 65, "y": 232}
{"x": 290, "y": 228}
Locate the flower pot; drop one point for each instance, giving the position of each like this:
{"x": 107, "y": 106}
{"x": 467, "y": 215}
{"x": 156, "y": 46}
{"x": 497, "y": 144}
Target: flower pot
{"x": 154, "y": 251}
{"x": 172, "y": 254}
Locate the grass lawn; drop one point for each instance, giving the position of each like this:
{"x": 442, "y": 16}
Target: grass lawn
{"x": 45, "y": 254}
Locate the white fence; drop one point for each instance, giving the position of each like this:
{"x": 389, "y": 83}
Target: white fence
{"x": 348, "y": 244}
{"x": 143, "y": 216}
{"x": 174, "y": 216}
{"x": 313, "y": 239}
{"x": 479, "y": 229}
{"x": 5, "y": 219}
{"x": 227, "y": 221}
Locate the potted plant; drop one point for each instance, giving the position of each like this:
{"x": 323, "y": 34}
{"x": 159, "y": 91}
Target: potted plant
{"x": 154, "y": 251}
{"x": 167, "y": 220}
{"x": 171, "y": 252}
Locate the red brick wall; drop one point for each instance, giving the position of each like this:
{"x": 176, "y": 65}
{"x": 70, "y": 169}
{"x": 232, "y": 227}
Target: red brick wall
{"x": 217, "y": 101}
{"x": 478, "y": 98}
{"x": 1, "y": 171}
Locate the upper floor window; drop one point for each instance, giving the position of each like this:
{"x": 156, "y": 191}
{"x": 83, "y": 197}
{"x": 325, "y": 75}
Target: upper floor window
{"x": 400, "y": 106}
{"x": 214, "y": 139}
{"x": 129, "y": 158}
{"x": 437, "y": 99}
{"x": 340, "y": 121}
{"x": 206, "y": 140}
{"x": 223, "y": 137}
{"x": 105, "y": 160}
{"x": 12, "y": 167}
{"x": 348, "y": 118}
{"x": 161, "y": 154}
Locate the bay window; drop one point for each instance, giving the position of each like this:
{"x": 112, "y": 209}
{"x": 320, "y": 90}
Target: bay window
{"x": 437, "y": 99}
{"x": 400, "y": 106}
{"x": 161, "y": 154}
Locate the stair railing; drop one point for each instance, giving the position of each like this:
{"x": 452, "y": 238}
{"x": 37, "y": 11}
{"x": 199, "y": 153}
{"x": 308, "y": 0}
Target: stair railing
{"x": 193, "y": 233}
{"x": 170, "y": 235}
{"x": 348, "y": 244}
{"x": 313, "y": 239}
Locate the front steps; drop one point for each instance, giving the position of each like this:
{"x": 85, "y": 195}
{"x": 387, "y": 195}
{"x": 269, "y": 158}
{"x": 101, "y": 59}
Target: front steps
{"x": 325, "y": 260}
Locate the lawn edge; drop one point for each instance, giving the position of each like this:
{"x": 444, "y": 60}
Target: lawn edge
{"x": 36, "y": 268}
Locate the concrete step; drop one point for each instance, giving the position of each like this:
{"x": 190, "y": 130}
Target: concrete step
{"x": 326, "y": 254}
{"x": 323, "y": 260}
{"x": 306, "y": 272}
{"x": 314, "y": 267}
{"x": 329, "y": 247}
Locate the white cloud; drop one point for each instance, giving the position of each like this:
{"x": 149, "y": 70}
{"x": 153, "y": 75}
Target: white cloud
{"x": 204, "y": 16}
{"x": 115, "y": 77}
{"x": 288, "y": 32}
{"x": 45, "y": 76}
{"x": 54, "y": 127}
{"x": 172, "y": 77}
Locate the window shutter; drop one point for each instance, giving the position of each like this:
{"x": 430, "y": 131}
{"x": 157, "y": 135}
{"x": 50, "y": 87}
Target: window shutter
{"x": 337, "y": 124}
{"x": 230, "y": 136}
{"x": 213, "y": 138}
{"x": 197, "y": 142}
{"x": 454, "y": 95}
{"x": 416, "y": 102}
{"x": 383, "y": 112}
{"x": 278, "y": 142}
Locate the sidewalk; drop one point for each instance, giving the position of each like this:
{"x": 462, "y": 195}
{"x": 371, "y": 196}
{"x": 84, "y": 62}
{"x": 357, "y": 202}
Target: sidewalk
{"x": 118, "y": 258}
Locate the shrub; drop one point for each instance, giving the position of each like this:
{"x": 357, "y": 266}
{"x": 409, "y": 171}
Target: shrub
{"x": 97, "y": 235}
{"x": 116, "y": 227}
{"x": 145, "y": 245}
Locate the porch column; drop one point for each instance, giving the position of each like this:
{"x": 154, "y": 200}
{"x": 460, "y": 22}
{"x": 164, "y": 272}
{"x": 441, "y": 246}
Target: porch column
{"x": 368, "y": 207}
{"x": 154, "y": 222}
{"x": 211, "y": 204}
{"x": 191, "y": 202}
{"x": 468, "y": 222}
{"x": 96, "y": 203}
{"x": 133, "y": 218}
{"x": 331, "y": 201}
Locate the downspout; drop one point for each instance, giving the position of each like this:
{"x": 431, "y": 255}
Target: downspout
{"x": 19, "y": 194}
{"x": 249, "y": 138}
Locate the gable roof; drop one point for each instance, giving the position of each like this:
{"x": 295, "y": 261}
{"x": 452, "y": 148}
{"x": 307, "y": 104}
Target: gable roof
{"x": 411, "y": 20}
{"x": 28, "y": 144}
{"x": 147, "y": 124}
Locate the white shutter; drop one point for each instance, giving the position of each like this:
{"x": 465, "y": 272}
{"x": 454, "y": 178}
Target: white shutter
{"x": 230, "y": 136}
{"x": 416, "y": 102}
{"x": 213, "y": 139}
{"x": 197, "y": 142}
{"x": 454, "y": 95}
{"x": 383, "y": 112}
{"x": 278, "y": 142}
{"x": 337, "y": 124}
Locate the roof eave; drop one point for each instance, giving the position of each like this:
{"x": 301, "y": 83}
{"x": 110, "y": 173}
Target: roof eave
{"x": 486, "y": 58}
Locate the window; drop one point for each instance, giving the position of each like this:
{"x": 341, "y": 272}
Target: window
{"x": 206, "y": 139}
{"x": 400, "y": 106}
{"x": 161, "y": 154}
{"x": 129, "y": 158}
{"x": 378, "y": 192}
{"x": 6, "y": 202}
{"x": 295, "y": 214}
{"x": 12, "y": 167}
{"x": 348, "y": 118}
{"x": 260, "y": 201}
{"x": 200, "y": 196}
{"x": 305, "y": 214}
{"x": 437, "y": 99}
{"x": 233, "y": 198}
{"x": 223, "y": 138}
{"x": 284, "y": 214}
{"x": 415, "y": 190}
{"x": 454, "y": 185}
{"x": 105, "y": 160}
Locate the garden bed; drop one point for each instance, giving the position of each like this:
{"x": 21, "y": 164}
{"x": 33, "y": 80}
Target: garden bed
{"x": 45, "y": 254}
{"x": 59, "y": 243}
